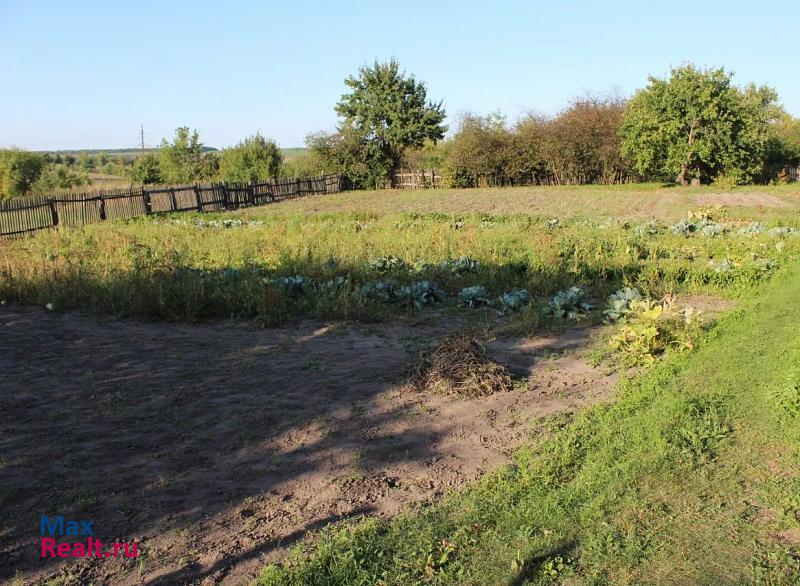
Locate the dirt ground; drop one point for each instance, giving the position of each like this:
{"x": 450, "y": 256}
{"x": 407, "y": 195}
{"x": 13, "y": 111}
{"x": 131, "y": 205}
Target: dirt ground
{"x": 217, "y": 446}
{"x": 742, "y": 199}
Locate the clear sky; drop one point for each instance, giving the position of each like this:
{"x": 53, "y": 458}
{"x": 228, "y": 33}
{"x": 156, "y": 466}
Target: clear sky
{"x": 87, "y": 74}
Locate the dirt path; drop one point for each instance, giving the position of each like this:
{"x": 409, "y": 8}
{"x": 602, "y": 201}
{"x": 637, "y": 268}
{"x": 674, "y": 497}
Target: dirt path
{"x": 217, "y": 446}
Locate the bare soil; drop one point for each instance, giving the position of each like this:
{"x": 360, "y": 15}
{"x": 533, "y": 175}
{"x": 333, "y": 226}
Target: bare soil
{"x": 742, "y": 199}
{"x": 217, "y": 446}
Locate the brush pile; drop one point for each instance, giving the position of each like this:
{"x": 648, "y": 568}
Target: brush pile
{"x": 459, "y": 366}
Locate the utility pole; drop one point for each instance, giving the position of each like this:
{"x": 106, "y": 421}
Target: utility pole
{"x": 141, "y": 133}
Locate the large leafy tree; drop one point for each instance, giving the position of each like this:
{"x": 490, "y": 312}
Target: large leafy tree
{"x": 253, "y": 159}
{"x": 697, "y": 126}
{"x": 386, "y": 112}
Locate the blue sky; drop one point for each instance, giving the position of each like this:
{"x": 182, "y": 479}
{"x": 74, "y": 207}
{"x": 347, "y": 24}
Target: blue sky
{"x": 87, "y": 74}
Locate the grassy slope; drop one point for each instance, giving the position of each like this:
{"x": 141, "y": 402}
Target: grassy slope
{"x": 689, "y": 477}
{"x": 635, "y": 201}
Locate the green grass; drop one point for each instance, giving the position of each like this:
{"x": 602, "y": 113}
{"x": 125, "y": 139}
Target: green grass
{"x": 169, "y": 268}
{"x": 689, "y": 477}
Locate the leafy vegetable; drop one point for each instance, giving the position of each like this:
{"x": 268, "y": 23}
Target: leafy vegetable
{"x": 621, "y": 303}
{"x": 422, "y": 294}
{"x": 568, "y": 304}
{"x": 515, "y": 299}
{"x": 387, "y": 264}
{"x": 474, "y": 296}
{"x": 382, "y": 291}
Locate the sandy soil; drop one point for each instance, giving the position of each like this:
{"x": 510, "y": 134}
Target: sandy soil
{"x": 216, "y": 446}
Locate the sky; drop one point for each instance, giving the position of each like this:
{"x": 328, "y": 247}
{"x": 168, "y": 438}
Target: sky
{"x": 87, "y": 74}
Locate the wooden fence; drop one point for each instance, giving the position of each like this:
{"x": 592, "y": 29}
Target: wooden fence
{"x": 28, "y": 214}
{"x": 418, "y": 179}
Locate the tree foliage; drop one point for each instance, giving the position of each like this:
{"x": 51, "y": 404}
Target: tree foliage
{"x": 385, "y": 113}
{"x": 253, "y": 159}
{"x": 19, "y": 171}
{"x": 59, "y": 177}
{"x": 181, "y": 161}
{"x": 146, "y": 170}
{"x": 579, "y": 145}
{"x": 698, "y": 126}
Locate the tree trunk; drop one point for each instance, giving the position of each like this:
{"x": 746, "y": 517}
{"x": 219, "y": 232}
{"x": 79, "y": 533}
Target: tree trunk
{"x": 696, "y": 178}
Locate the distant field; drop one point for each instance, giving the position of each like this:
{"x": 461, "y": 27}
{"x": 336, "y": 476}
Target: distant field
{"x": 621, "y": 201}
{"x": 293, "y": 153}
{"x": 103, "y": 181}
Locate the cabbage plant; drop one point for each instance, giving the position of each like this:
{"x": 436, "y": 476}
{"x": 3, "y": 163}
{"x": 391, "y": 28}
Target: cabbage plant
{"x": 293, "y": 286}
{"x": 381, "y": 291}
{"x": 462, "y": 265}
{"x": 387, "y": 264}
{"x": 568, "y": 304}
{"x": 422, "y": 294}
{"x": 515, "y": 300}
{"x": 474, "y": 296}
{"x": 621, "y": 304}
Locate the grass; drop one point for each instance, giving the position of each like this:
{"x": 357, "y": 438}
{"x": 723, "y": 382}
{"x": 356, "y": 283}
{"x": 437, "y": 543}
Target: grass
{"x": 689, "y": 477}
{"x": 169, "y": 268}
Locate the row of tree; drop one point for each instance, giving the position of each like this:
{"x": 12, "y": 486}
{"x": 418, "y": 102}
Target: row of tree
{"x": 185, "y": 160}
{"x": 696, "y": 126}
{"x": 182, "y": 160}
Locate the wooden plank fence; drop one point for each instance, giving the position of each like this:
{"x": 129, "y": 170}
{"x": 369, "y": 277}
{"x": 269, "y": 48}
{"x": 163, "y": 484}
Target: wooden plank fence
{"x": 24, "y": 215}
{"x": 418, "y": 179}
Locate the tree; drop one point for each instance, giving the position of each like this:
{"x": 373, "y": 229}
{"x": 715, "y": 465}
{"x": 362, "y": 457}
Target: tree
{"x": 581, "y": 145}
{"x": 181, "y": 160}
{"x": 253, "y": 159}
{"x": 59, "y": 177}
{"x": 350, "y": 154}
{"x": 19, "y": 170}
{"x": 783, "y": 149}
{"x": 478, "y": 152}
{"x": 146, "y": 169}
{"x": 697, "y": 125}
{"x": 387, "y": 112}
{"x": 85, "y": 162}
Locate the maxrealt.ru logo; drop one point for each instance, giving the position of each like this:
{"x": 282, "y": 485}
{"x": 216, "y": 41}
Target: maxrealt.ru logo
{"x": 86, "y": 546}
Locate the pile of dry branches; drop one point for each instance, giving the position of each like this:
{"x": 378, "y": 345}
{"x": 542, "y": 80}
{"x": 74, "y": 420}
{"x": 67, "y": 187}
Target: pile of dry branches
{"x": 459, "y": 365}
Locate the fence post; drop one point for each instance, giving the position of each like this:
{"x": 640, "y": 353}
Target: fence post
{"x": 54, "y": 211}
{"x": 148, "y": 205}
{"x": 199, "y": 198}
{"x": 251, "y": 194}
{"x": 172, "y": 197}
{"x": 102, "y": 208}
{"x": 225, "y": 198}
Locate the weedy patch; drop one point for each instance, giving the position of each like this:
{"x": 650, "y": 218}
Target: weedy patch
{"x": 650, "y": 328}
{"x": 459, "y": 366}
{"x": 698, "y": 431}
